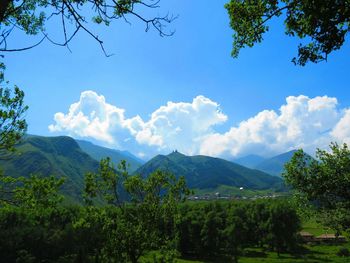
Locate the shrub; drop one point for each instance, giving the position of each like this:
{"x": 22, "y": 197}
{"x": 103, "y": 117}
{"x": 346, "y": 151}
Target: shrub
{"x": 343, "y": 252}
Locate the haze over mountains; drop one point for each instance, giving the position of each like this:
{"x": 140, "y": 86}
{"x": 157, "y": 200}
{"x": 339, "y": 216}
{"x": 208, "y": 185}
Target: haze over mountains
{"x": 61, "y": 156}
{"x": 204, "y": 172}
{"x": 273, "y": 165}
{"x": 64, "y": 156}
{"x": 99, "y": 152}
{"x": 250, "y": 160}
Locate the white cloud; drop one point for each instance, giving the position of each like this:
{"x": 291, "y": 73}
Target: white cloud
{"x": 91, "y": 117}
{"x": 173, "y": 126}
{"x": 300, "y": 123}
{"x": 181, "y": 125}
{"x": 341, "y": 131}
{"x": 190, "y": 126}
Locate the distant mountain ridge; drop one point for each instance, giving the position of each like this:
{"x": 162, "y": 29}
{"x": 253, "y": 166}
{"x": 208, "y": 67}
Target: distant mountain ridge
{"x": 250, "y": 161}
{"x": 99, "y": 152}
{"x": 275, "y": 165}
{"x": 64, "y": 156}
{"x": 204, "y": 172}
{"x": 58, "y": 156}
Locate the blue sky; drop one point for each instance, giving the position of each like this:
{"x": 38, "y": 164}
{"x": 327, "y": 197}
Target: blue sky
{"x": 146, "y": 71}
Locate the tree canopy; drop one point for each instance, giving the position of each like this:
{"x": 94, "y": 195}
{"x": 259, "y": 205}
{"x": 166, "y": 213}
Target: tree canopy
{"x": 12, "y": 110}
{"x": 321, "y": 25}
{"x": 323, "y": 183}
{"x": 32, "y": 17}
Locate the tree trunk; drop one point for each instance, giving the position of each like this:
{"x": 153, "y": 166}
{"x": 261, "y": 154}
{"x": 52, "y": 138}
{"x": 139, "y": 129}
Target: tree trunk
{"x": 3, "y": 7}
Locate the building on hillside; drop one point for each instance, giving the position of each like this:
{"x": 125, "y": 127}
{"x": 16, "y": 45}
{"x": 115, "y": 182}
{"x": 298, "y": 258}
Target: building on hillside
{"x": 330, "y": 238}
{"x": 307, "y": 237}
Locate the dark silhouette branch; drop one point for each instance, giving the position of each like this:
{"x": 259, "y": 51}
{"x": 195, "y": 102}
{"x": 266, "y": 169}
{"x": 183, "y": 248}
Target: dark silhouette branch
{"x": 23, "y": 49}
{"x": 69, "y": 11}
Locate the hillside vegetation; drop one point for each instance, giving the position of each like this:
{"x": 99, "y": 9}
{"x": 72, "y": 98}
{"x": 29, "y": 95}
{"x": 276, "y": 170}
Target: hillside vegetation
{"x": 204, "y": 172}
{"x": 59, "y": 156}
{"x": 99, "y": 152}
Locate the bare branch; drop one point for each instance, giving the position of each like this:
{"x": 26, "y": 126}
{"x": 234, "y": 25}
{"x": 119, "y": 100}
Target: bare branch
{"x": 25, "y": 48}
{"x": 69, "y": 11}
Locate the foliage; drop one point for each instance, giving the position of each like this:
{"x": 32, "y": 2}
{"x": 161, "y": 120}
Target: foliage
{"x": 310, "y": 253}
{"x": 343, "y": 252}
{"x": 204, "y": 172}
{"x": 110, "y": 234}
{"x": 12, "y": 123}
{"x": 98, "y": 153}
{"x": 36, "y": 227}
{"x": 45, "y": 156}
{"x": 322, "y": 24}
{"x": 216, "y": 229}
{"x": 32, "y": 16}
{"x": 323, "y": 183}
{"x": 283, "y": 225}
{"x": 143, "y": 223}
{"x": 33, "y": 193}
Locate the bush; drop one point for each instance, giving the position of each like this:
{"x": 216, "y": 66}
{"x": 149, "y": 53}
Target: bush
{"x": 343, "y": 252}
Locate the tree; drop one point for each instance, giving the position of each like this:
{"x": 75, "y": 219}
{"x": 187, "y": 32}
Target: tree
{"x": 12, "y": 122}
{"x": 283, "y": 225}
{"x": 236, "y": 232}
{"x": 323, "y": 183}
{"x": 12, "y": 128}
{"x": 144, "y": 210}
{"x": 211, "y": 232}
{"x": 322, "y": 25}
{"x": 31, "y": 16}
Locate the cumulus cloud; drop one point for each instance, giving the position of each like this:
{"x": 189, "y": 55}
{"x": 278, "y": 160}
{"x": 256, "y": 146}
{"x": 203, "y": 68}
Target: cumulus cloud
{"x": 302, "y": 122}
{"x": 179, "y": 125}
{"x": 91, "y": 117}
{"x": 341, "y": 131}
{"x": 189, "y": 127}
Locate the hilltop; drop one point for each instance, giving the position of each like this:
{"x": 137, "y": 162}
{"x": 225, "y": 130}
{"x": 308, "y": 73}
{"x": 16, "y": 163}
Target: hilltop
{"x": 204, "y": 172}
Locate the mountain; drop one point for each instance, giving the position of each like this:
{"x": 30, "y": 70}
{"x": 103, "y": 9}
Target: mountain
{"x": 250, "y": 161}
{"x": 203, "y": 172}
{"x": 275, "y": 165}
{"x": 59, "y": 156}
{"x": 99, "y": 152}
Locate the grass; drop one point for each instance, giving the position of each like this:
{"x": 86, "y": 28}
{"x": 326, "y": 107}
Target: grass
{"x": 310, "y": 254}
{"x": 315, "y": 228}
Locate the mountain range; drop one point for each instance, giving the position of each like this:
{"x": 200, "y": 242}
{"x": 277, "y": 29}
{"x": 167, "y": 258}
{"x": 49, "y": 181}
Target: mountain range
{"x": 61, "y": 156}
{"x": 250, "y": 160}
{"x": 99, "y": 152}
{"x": 64, "y": 156}
{"x": 204, "y": 172}
{"x": 273, "y": 165}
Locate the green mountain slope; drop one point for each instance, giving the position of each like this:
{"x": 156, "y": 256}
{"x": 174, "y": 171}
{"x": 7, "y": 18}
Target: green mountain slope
{"x": 59, "y": 156}
{"x": 99, "y": 152}
{"x": 250, "y": 161}
{"x": 275, "y": 165}
{"x": 203, "y": 172}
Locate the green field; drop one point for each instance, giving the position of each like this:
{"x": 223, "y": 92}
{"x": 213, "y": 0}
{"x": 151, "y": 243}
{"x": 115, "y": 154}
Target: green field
{"x": 314, "y": 254}
{"x": 309, "y": 253}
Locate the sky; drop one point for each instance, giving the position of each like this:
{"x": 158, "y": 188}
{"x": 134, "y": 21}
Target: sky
{"x": 185, "y": 92}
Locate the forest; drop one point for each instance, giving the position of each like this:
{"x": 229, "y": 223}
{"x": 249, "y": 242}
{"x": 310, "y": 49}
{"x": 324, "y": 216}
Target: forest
{"x": 40, "y": 231}
{"x": 153, "y": 223}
